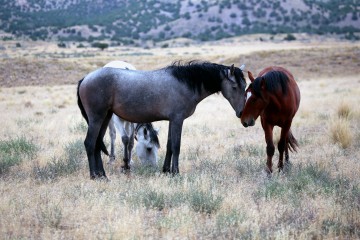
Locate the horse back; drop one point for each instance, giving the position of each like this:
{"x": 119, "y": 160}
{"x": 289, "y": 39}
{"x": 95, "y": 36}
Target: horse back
{"x": 292, "y": 87}
{"x": 284, "y": 106}
{"x": 138, "y": 96}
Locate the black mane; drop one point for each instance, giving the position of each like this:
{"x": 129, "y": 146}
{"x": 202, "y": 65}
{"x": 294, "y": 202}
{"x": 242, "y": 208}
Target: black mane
{"x": 274, "y": 80}
{"x": 197, "y": 74}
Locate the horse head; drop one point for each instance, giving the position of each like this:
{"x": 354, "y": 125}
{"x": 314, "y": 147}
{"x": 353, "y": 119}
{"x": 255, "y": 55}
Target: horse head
{"x": 233, "y": 88}
{"x": 256, "y": 99}
{"x": 148, "y": 144}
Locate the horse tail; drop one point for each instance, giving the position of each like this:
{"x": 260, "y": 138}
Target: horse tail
{"x": 81, "y": 106}
{"x": 83, "y": 113}
{"x": 292, "y": 143}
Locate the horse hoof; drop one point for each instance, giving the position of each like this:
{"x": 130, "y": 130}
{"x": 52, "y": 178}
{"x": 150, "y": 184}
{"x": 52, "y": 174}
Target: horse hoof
{"x": 287, "y": 167}
{"x": 268, "y": 172}
{"x": 99, "y": 178}
{"x": 125, "y": 169}
{"x": 111, "y": 160}
{"x": 103, "y": 179}
{"x": 166, "y": 170}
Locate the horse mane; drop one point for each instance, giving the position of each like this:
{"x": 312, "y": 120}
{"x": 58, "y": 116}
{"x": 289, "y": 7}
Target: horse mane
{"x": 153, "y": 133}
{"x": 196, "y": 74}
{"x": 274, "y": 80}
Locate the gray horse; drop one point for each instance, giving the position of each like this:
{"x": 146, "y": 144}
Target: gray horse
{"x": 171, "y": 93}
{"x": 148, "y": 142}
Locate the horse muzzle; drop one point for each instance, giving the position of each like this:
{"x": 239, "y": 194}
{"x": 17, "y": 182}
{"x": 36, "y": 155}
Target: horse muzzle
{"x": 248, "y": 123}
{"x": 238, "y": 114}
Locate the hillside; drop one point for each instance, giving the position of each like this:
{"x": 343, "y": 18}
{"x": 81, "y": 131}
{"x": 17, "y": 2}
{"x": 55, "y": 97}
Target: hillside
{"x": 124, "y": 21}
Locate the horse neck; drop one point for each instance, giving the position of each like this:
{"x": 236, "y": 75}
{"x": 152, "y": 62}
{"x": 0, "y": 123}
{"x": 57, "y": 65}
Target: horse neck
{"x": 199, "y": 96}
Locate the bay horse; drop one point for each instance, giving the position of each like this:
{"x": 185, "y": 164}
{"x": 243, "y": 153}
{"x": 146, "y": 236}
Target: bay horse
{"x": 171, "y": 93}
{"x": 274, "y": 96}
{"x": 147, "y": 140}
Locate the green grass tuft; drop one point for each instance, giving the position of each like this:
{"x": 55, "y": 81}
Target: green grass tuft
{"x": 14, "y": 151}
{"x": 62, "y": 166}
{"x": 204, "y": 201}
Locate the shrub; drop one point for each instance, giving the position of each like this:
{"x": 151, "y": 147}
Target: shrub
{"x": 231, "y": 219}
{"x": 290, "y": 37}
{"x": 250, "y": 166}
{"x": 50, "y": 215}
{"x": 204, "y": 201}
{"x": 61, "y": 45}
{"x": 69, "y": 164}
{"x": 80, "y": 127}
{"x": 310, "y": 178}
{"x": 81, "y": 45}
{"x": 153, "y": 199}
{"x": 144, "y": 170}
{"x": 165, "y": 45}
{"x": 14, "y": 151}
{"x": 100, "y": 45}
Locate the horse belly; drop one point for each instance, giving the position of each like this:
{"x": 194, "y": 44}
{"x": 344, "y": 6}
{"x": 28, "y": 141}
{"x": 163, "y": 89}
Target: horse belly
{"x": 138, "y": 113}
{"x": 153, "y": 103}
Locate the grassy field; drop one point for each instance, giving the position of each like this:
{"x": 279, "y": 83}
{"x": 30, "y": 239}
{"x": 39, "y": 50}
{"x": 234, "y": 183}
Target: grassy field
{"x": 222, "y": 191}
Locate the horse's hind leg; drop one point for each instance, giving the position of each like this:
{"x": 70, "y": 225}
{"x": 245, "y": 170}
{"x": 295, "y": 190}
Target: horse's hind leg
{"x": 112, "y": 133}
{"x": 91, "y": 146}
{"x": 282, "y": 146}
{"x": 99, "y": 163}
{"x": 287, "y": 158}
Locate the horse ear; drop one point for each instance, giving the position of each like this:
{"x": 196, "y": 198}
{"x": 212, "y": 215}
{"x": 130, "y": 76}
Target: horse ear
{"x": 251, "y": 77}
{"x": 232, "y": 70}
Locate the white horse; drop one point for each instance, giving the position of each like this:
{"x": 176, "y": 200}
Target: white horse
{"x": 146, "y": 136}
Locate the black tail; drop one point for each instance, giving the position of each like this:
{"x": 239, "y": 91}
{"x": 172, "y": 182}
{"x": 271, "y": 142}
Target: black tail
{"x": 292, "y": 143}
{"x": 83, "y": 113}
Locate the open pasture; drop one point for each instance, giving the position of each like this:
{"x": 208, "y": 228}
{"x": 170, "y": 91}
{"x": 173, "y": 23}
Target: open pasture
{"x": 222, "y": 190}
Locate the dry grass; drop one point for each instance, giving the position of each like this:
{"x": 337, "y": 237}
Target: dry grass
{"x": 341, "y": 132}
{"x": 222, "y": 191}
{"x": 343, "y": 126}
{"x": 344, "y": 110}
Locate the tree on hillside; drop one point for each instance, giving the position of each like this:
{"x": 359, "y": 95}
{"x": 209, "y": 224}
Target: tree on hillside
{"x": 100, "y": 45}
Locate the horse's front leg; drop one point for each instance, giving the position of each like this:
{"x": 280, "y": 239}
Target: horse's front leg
{"x": 270, "y": 148}
{"x": 167, "y": 161}
{"x": 176, "y": 128}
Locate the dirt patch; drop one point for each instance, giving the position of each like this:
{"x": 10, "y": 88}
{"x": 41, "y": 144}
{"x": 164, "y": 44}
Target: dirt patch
{"x": 39, "y": 72}
{"x": 305, "y": 63}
